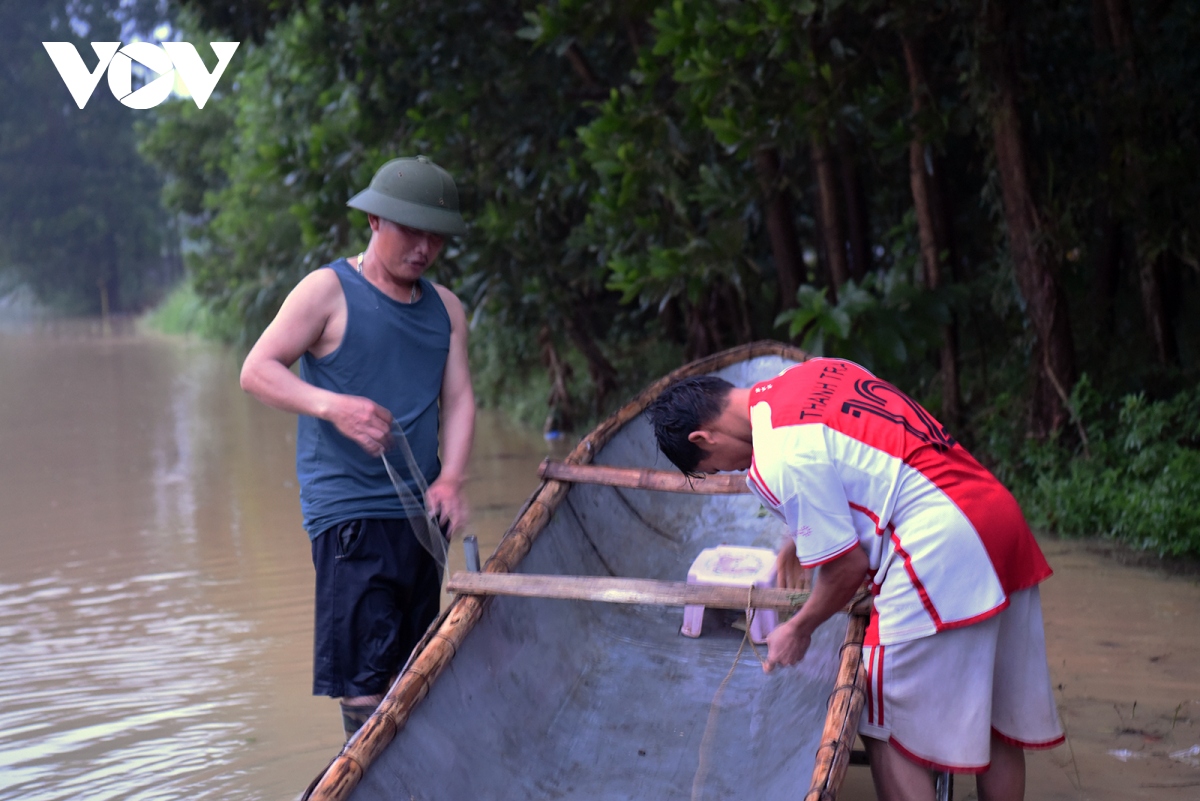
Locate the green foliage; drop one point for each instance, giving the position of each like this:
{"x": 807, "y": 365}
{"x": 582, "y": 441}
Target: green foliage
{"x": 507, "y": 373}
{"x": 675, "y": 217}
{"x": 505, "y": 376}
{"x": 609, "y": 160}
{"x": 80, "y": 221}
{"x": 1139, "y": 482}
{"x": 334, "y": 90}
{"x": 879, "y": 324}
{"x": 233, "y": 170}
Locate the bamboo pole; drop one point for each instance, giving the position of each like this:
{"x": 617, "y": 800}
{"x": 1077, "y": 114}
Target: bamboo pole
{"x": 438, "y": 647}
{"x": 626, "y": 591}
{"x": 845, "y": 708}
{"x": 606, "y": 589}
{"x": 644, "y": 478}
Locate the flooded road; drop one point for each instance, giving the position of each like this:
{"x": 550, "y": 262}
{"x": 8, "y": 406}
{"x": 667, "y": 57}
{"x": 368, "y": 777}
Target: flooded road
{"x": 156, "y": 595}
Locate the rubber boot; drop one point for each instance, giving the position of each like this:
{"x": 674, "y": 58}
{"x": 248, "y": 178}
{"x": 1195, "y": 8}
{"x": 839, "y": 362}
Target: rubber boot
{"x": 354, "y": 716}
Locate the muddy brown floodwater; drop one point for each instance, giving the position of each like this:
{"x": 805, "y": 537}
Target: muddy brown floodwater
{"x": 156, "y": 594}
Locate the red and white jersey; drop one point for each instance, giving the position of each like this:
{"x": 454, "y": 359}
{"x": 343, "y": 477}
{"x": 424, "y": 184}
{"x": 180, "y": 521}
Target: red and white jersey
{"x": 849, "y": 461}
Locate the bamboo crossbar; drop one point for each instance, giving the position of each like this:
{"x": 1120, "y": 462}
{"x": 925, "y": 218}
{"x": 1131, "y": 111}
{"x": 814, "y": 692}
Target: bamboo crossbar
{"x": 626, "y": 591}
{"x": 605, "y": 589}
{"x": 643, "y": 478}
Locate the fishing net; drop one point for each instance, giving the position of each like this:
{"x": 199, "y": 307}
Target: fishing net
{"x": 405, "y": 475}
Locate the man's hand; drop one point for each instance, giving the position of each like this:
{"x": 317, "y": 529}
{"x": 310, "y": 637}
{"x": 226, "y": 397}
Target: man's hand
{"x": 835, "y": 585}
{"x": 362, "y": 420}
{"x": 787, "y": 645}
{"x": 444, "y": 500}
{"x": 789, "y": 574}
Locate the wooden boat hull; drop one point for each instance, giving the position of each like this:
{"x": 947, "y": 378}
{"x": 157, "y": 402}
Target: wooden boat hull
{"x": 545, "y": 698}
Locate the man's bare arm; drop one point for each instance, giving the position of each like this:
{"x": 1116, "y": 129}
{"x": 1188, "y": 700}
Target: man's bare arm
{"x": 298, "y": 327}
{"x": 789, "y": 573}
{"x": 445, "y": 496}
{"x": 835, "y": 585}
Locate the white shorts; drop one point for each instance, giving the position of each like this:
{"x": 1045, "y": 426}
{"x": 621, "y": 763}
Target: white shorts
{"x": 940, "y": 699}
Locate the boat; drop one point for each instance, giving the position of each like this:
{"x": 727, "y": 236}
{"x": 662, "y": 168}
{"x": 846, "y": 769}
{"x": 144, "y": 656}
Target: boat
{"x": 512, "y": 696}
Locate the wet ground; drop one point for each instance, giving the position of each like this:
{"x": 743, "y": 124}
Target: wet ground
{"x": 1123, "y": 644}
{"x": 156, "y": 594}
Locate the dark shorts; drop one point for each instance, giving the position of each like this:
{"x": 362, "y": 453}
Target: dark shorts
{"x": 377, "y": 593}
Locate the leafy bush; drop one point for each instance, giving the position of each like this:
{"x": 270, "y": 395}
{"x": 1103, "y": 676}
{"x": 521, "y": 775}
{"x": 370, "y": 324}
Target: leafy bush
{"x": 507, "y": 374}
{"x": 885, "y": 323}
{"x": 1138, "y": 481}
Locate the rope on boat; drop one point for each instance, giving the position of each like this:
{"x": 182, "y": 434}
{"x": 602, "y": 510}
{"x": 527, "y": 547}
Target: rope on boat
{"x": 709, "y": 727}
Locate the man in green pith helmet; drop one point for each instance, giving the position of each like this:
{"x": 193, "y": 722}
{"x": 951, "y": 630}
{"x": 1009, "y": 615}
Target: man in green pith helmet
{"x": 379, "y": 347}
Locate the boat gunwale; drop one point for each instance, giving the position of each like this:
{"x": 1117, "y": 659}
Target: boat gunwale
{"x": 440, "y": 643}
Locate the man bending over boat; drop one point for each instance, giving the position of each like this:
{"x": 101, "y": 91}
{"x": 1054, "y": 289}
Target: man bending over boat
{"x": 873, "y": 489}
{"x": 378, "y": 346}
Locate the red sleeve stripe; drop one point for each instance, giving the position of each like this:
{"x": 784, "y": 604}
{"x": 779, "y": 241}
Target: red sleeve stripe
{"x": 757, "y": 478}
{"x": 832, "y": 556}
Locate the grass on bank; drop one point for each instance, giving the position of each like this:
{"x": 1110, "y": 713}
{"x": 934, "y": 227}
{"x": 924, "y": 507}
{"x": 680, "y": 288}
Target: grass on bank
{"x": 184, "y": 313}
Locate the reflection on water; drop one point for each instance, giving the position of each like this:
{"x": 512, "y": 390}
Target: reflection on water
{"x": 120, "y": 688}
{"x": 155, "y": 583}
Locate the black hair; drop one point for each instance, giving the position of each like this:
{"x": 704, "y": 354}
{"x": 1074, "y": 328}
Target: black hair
{"x": 684, "y": 407}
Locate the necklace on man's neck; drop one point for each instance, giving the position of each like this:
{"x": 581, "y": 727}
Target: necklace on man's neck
{"x": 412, "y": 289}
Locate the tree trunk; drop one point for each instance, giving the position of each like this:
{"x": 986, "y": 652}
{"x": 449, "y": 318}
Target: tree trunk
{"x": 781, "y": 227}
{"x": 933, "y": 229}
{"x": 600, "y": 369}
{"x": 1109, "y": 235}
{"x": 718, "y": 321}
{"x": 104, "y": 306}
{"x": 1045, "y": 302}
{"x": 701, "y": 339}
{"x": 857, "y": 227}
{"x": 109, "y": 279}
{"x": 1150, "y": 257}
{"x": 1151, "y": 280}
{"x": 583, "y": 69}
{"x": 828, "y": 216}
{"x": 561, "y": 416}
{"x": 1106, "y": 277}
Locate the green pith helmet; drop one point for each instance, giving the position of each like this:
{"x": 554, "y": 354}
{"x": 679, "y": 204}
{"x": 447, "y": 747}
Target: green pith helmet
{"x": 413, "y": 192}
